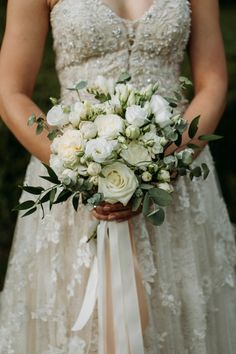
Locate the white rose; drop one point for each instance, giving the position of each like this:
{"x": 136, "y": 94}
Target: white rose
{"x": 136, "y": 154}
{"x": 56, "y": 164}
{"x": 132, "y": 132}
{"x": 94, "y": 169}
{"x": 68, "y": 177}
{"x": 146, "y": 176}
{"x": 163, "y": 176}
{"x": 57, "y": 117}
{"x": 107, "y": 85}
{"x": 161, "y": 109}
{"x": 119, "y": 183}
{"x": 100, "y": 149}
{"x": 166, "y": 187}
{"x": 136, "y": 115}
{"x": 88, "y": 129}
{"x": 70, "y": 147}
{"x": 109, "y": 126}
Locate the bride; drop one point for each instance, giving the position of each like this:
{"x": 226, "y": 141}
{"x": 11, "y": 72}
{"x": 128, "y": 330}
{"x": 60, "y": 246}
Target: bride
{"x": 186, "y": 265}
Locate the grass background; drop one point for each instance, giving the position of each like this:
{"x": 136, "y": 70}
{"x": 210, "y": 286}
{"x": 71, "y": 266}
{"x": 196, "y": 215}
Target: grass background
{"x": 14, "y": 159}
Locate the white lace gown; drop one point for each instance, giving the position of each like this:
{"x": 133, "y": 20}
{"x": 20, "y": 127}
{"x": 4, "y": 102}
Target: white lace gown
{"x": 187, "y": 264}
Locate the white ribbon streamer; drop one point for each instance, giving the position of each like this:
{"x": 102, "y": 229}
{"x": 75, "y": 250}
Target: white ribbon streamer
{"x": 125, "y": 316}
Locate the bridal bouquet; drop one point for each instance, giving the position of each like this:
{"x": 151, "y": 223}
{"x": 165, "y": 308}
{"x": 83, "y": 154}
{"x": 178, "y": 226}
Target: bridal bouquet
{"x": 111, "y": 147}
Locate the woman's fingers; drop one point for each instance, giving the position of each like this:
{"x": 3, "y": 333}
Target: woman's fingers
{"x": 107, "y": 208}
{"x": 120, "y": 215}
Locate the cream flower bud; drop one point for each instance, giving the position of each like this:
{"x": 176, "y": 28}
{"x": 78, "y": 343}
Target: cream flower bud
{"x": 163, "y": 176}
{"x": 146, "y": 176}
{"x": 132, "y": 132}
{"x": 94, "y": 169}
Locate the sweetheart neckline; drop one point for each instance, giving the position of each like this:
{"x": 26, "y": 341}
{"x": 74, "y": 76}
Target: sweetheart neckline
{"x": 114, "y": 14}
{"x": 127, "y": 20}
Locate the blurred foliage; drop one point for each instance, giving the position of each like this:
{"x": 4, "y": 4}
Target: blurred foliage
{"x": 14, "y": 159}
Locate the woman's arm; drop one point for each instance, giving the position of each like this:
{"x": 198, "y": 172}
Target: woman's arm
{"x": 20, "y": 59}
{"x": 207, "y": 58}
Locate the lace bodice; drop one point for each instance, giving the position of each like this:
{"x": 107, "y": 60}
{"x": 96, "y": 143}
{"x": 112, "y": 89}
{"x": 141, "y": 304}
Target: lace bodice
{"x": 90, "y": 39}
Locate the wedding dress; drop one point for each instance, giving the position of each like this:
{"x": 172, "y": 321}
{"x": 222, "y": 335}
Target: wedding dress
{"x": 187, "y": 264}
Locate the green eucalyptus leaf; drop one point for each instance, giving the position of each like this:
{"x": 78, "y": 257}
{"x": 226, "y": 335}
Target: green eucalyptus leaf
{"x": 81, "y": 85}
{"x": 146, "y": 186}
{"x": 63, "y": 196}
{"x": 193, "y": 127}
{"x": 196, "y": 172}
{"x": 160, "y": 197}
{"x": 146, "y": 204}
{"x": 205, "y": 170}
{"x": 45, "y": 198}
{"x": 29, "y": 212}
{"x": 125, "y": 76}
{"x": 136, "y": 203}
{"x": 25, "y": 205}
{"x": 157, "y": 217}
{"x": 52, "y": 196}
{"x": 39, "y": 128}
{"x": 210, "y": 137}
{"x": 179, "y": 140}
{"x": 33, "y": 190}
{"x": 75, "y": 201}
{"x": 52, "y": 135}
{"x": 31, "y": 120}
{"x": 52, "y": 174}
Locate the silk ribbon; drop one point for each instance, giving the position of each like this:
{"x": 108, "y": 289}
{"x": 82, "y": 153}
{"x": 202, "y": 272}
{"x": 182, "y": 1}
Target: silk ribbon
{"x": 115, "y": 281}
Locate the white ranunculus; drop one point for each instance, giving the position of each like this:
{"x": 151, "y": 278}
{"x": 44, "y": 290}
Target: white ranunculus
{"x": 119, "y": 183}
{"x": 79, "y": 111}
{"x": 163, "y": 176}
{"x": 109, "y": 126}
{"x": 100, "y": 149}
{"x": 136, "y": 154}
{"x": 94, "y": 168}
{"x": 88, "y": 129}
{"x": 57, "y": 117}
{"x": 161, "y": 109}
{"x": 107, "y": 85}
{"x": 68, "y": 177}
{"x": 56, "y": 164}
{"x": 166, "y": 187}
{"x": 136, "y": 115}
{"x": 70, "y": 146}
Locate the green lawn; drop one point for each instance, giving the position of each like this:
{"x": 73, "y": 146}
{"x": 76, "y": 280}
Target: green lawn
{"x": 14, "y": 159}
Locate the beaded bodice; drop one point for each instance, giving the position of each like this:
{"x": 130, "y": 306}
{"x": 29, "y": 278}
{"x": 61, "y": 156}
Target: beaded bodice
{"x": 90, "y": 39}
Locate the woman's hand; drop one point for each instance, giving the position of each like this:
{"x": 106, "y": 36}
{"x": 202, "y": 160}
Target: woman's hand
{"x": 114, "y": 212}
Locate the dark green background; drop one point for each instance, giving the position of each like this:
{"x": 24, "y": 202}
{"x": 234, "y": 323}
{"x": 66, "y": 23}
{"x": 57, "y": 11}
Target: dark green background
{"x": 13, "y": 158}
